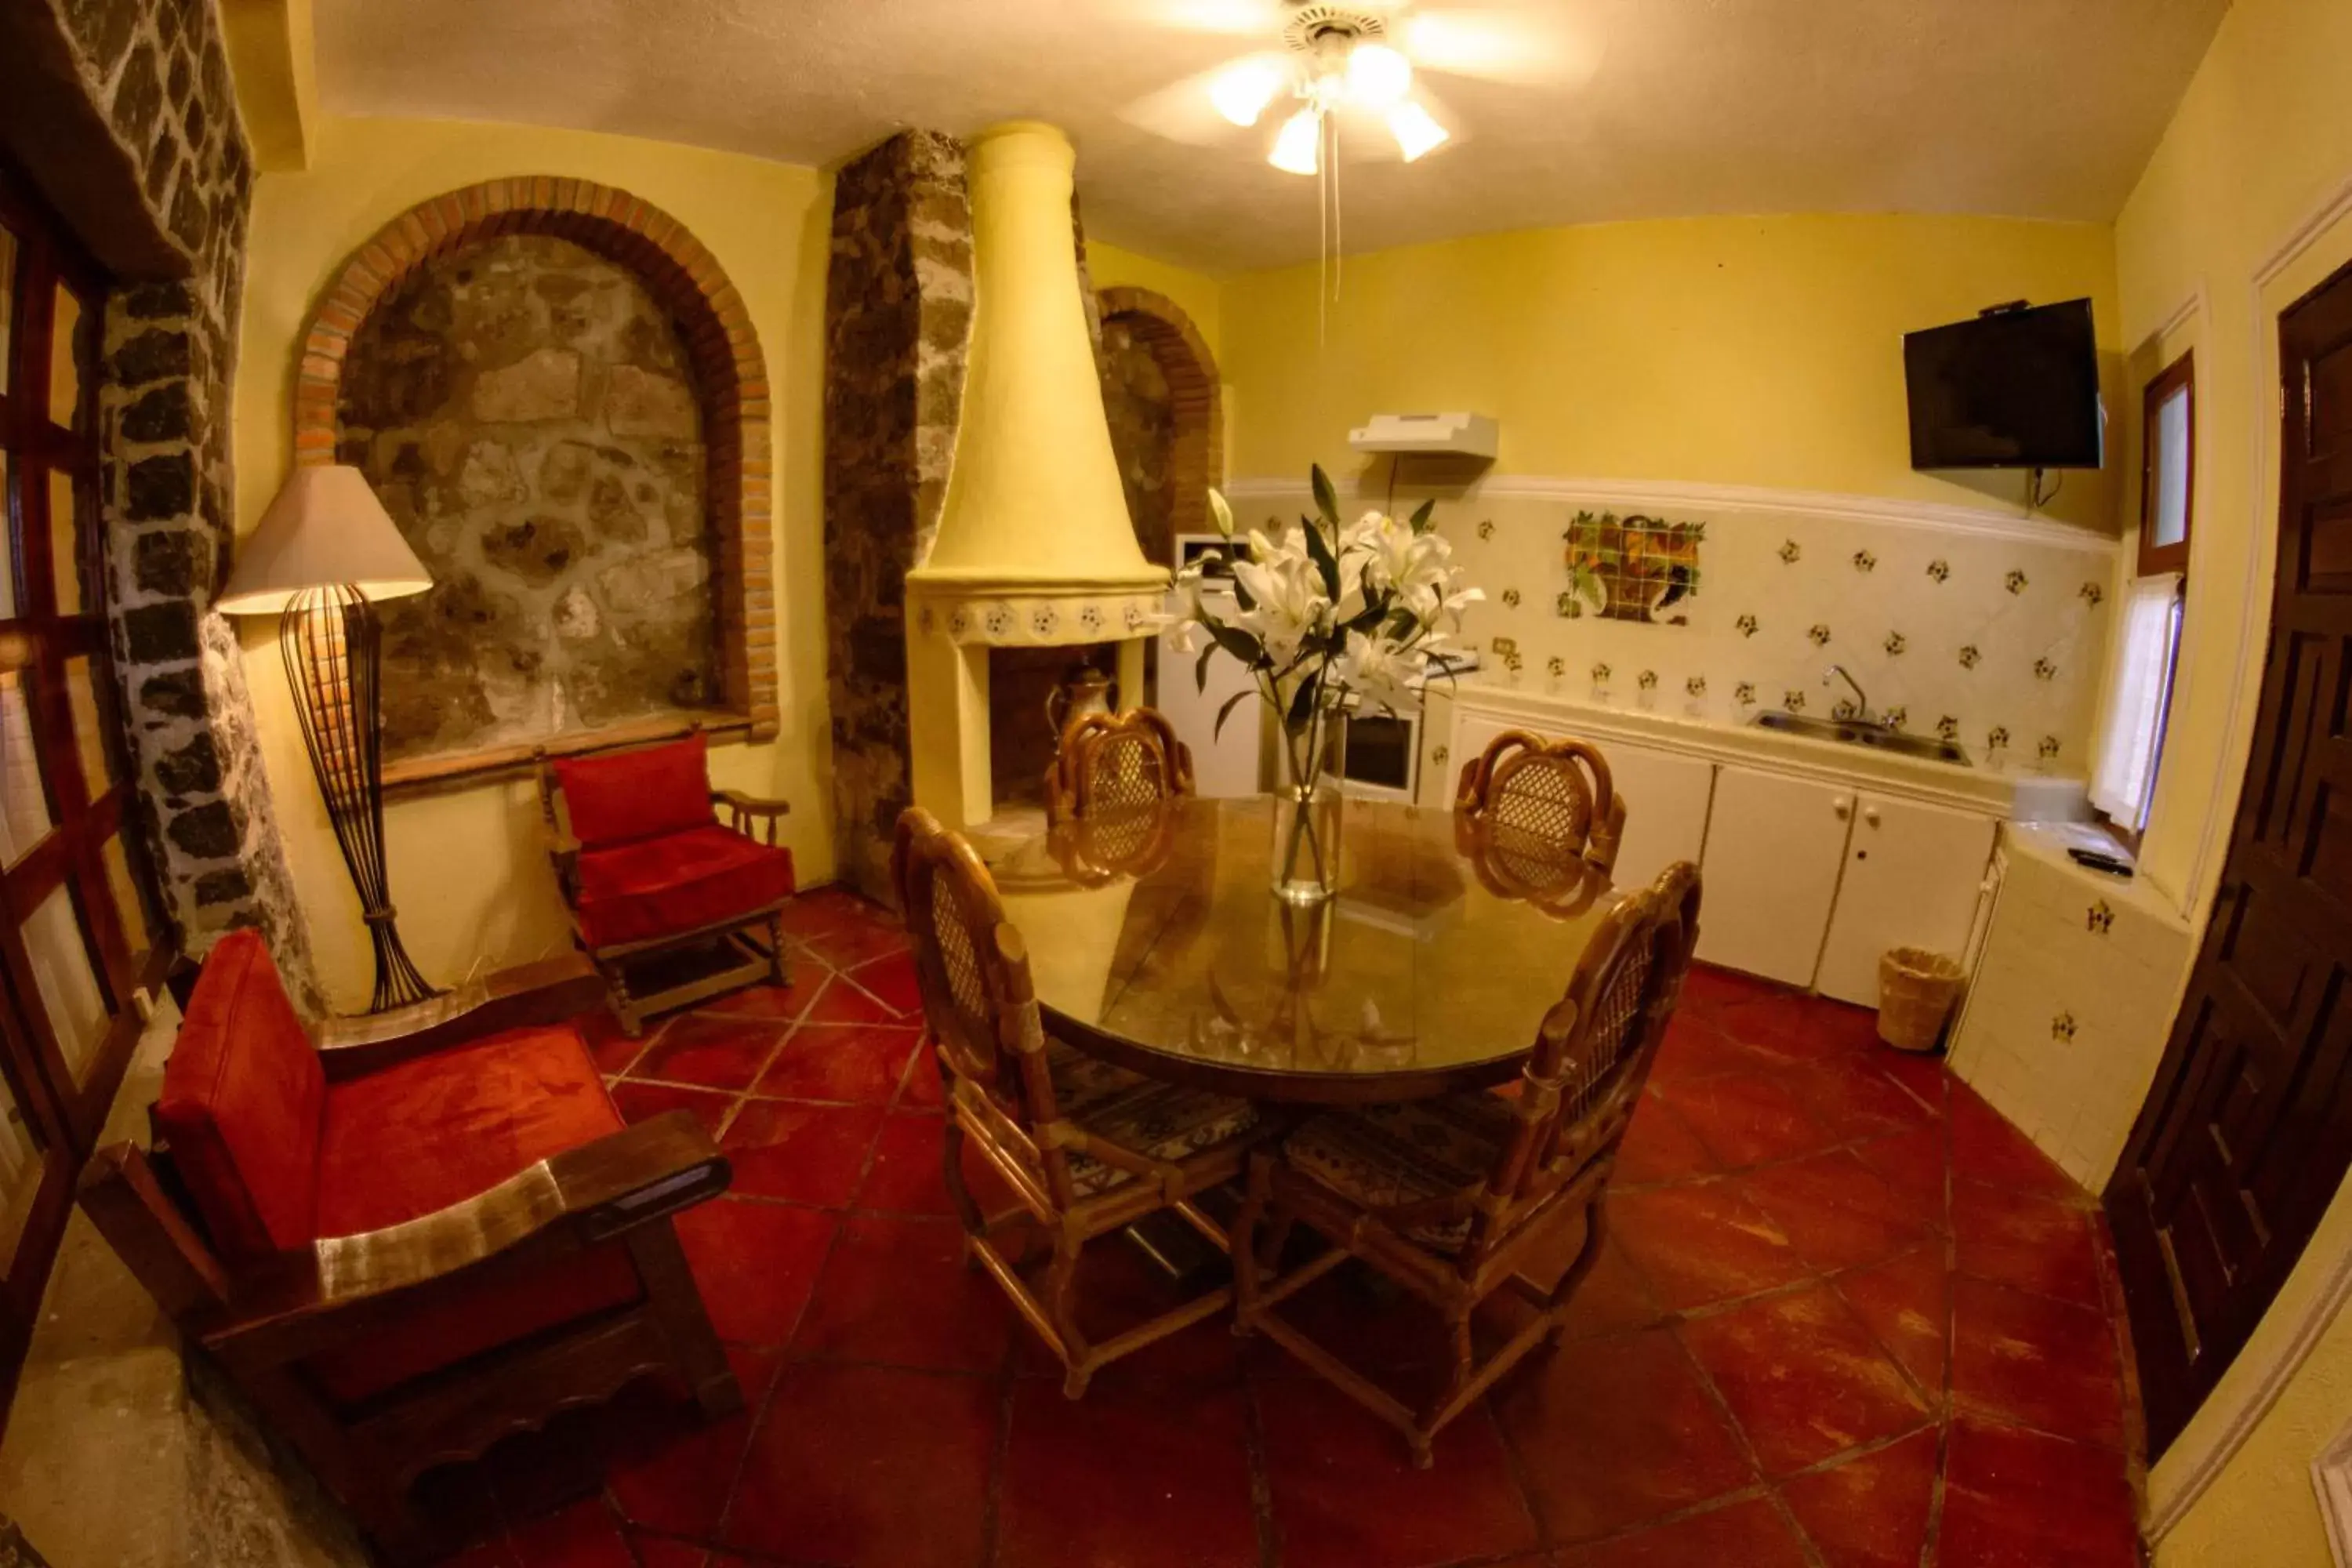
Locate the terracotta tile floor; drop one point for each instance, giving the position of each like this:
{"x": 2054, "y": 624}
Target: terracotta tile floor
{"x": 1847, "y": 1318}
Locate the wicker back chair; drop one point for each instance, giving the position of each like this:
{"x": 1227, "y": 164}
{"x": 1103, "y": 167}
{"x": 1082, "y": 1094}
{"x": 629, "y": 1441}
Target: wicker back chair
{"x": 1113, "y": 761}
{"x": 1084, "y": 1147}
{"x": 1553, "y": 877}
{"x": 1449, "y": 1197}
{"x": 1530, "y": 792}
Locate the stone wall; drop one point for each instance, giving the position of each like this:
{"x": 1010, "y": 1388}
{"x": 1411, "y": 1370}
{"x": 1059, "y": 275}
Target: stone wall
{"x": 897, "y": 315}
{"x": 721, "y": 360}
{"x": 123, "y": 114}
{"x": 1166, "y": 407}
{"x": 1142, "y": 416}
{"x": 526, "y": 411}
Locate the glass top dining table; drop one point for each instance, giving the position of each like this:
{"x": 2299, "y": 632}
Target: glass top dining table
{"x": 1155, "y": 941}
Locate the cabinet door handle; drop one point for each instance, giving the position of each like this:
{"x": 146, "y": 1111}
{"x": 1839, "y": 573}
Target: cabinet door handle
{"x": 1843, "y": 807}
{"x": 1869, "y": 815}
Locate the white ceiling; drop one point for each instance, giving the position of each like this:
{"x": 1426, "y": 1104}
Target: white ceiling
{"x": 2026, "y": 107}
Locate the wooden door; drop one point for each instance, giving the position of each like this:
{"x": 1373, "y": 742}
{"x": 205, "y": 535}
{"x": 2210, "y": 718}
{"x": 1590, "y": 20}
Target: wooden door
{"x": 1774, "y": 847}
{"x": 2248, "y": 1128}
{"x": 1913, "y": 877}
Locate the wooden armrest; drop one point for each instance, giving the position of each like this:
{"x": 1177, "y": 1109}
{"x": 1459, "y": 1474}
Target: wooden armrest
{"x": 737, "y": 800}
{"x": 572, "y": 1201}
{"x": 742, "y": 808}
{"x": 547, "y": 992}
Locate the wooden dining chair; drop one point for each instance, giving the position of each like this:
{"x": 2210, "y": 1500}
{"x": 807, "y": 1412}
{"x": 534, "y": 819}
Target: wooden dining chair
{"x": 1531, "y": 790}
{"x": 1553, "y": 877}
{"x": 1109, "y": 760}
{"x": 1451, "y": 1197}
{"x": 1086, "y": 1148}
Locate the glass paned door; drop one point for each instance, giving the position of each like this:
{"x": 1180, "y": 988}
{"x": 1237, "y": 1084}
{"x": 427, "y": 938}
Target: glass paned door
{"x": 75, "y": 942}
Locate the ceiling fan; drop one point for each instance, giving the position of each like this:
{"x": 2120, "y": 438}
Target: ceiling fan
{"x": 1360, "y": 59}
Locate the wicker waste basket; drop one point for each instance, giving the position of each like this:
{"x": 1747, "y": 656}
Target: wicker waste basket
{"x": 1917, "y": 989}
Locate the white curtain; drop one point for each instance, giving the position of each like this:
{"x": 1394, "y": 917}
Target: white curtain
{"x": 2141, "y": 682}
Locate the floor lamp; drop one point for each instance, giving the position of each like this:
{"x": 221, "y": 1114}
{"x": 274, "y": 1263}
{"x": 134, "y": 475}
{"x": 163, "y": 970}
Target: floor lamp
{"x": 325, "y": 550}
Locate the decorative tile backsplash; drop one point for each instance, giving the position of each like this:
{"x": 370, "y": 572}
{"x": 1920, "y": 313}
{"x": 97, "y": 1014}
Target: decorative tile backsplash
{"x": 1633, "y": 568}
{"x": 1975, "y": 636}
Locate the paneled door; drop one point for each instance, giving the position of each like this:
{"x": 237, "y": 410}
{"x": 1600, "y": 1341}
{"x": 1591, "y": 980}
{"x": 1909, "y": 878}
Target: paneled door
{"x": 2248, "y": 1128}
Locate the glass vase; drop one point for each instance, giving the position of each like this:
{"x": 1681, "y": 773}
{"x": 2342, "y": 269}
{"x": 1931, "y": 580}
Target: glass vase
{"x": 1306, "y": 859}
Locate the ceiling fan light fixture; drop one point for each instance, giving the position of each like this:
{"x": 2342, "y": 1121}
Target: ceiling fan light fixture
{"x": 1415, "y": 129}
{"x": 1297, "y": 145}
{"x": 1377, "y": 76}
{"x": 1242, "y": 92}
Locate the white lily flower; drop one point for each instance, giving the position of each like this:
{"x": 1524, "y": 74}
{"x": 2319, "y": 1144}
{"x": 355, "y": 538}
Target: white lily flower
{"x": 1287, "y": 594}
{"x": 1376, "y": 670}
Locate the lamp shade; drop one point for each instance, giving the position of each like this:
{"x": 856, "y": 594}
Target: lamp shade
{"x": 325, "y": 529}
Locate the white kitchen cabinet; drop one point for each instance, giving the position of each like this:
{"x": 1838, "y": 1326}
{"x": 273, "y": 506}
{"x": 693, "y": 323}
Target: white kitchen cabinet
{"x": 1665, "y": 809}
{"x": 1774, "y": 847}
{"x": 1914, "y": 875}
{"x": 1666, "y": 796}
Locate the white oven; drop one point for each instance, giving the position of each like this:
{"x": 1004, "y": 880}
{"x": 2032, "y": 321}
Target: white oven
{"x": 1383, "y": 755}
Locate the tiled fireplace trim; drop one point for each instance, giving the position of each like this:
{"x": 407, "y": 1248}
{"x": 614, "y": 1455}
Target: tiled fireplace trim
{"x": 1198, "y": 458}
{"x": 730, "y": 376}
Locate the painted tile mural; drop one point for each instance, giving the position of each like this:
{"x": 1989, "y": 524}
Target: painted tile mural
{"x": 1998, "y": 643}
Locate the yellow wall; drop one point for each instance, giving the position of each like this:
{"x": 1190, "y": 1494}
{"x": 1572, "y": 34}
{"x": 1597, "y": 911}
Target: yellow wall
{"x": 2261, "y": 144}
{"x": 1742, "y": 351}
{"x": 469, "y": 873}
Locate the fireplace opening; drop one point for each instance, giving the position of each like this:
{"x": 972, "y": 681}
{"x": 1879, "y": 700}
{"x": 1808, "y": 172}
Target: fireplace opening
{"x": 1023, "y": 732}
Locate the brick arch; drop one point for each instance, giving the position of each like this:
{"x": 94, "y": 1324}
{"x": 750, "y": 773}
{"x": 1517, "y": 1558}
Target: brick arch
{"x": 730, "y": 380}
{"x": 1197, "y": 458}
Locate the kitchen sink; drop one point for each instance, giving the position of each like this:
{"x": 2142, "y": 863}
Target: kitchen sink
{"x": 1854, "y": 732}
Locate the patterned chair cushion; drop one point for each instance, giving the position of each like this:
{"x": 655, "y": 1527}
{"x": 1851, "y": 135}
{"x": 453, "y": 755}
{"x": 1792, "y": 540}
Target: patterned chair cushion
{"x": 1158, "y": 1121}
{"x": 1386, "y": 1156}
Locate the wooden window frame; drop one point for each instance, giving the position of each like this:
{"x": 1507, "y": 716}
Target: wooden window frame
{"x": 2180, "y": 377}
{"x": 38, "y": 644}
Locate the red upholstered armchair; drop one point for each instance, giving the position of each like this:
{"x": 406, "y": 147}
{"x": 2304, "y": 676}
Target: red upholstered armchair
{"x": 663, "y": 897}
{"x": 426, "y": 1230}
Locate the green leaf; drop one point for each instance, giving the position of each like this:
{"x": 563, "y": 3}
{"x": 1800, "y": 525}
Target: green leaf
{"x": 1302, "y": 703}
{"x": 1239, "y": 643}
{"x": 1327, "y": 500}
{"x": 1421, "y": 515}
{"x": 1201, "y": 670}
{"x": 1220, "y": 513}
{"x": 1241, "y": 593}
{"x": 1320, "y": 550}
{"x": 1231, "y": 703}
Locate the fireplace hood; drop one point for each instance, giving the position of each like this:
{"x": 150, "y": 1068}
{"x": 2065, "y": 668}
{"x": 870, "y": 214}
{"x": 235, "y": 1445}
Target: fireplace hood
{"x": 1034, "y": 547}
{"x": 1034, "y": 519}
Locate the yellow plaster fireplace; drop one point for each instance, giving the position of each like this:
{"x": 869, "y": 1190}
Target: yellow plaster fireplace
{"x": 1034, "y": 547}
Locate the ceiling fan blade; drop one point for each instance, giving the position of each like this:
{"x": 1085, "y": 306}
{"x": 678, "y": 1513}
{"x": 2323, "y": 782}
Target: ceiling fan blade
{"x": 1499, "y": 45}
{"x": 1186, "y": 109}
{"x": 1233, "y": 18}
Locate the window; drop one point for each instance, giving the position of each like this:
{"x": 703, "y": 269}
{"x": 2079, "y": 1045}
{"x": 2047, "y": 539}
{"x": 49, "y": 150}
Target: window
{"x": 2168, "y": 468}
{"x": 2148, "y": 631}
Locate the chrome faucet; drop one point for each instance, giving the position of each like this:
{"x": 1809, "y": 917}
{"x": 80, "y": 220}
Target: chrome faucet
{"x": 1861, "y": 702}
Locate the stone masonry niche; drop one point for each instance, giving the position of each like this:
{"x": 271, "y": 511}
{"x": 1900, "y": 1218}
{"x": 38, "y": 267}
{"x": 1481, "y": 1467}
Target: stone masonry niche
{"x": 526, "y": 411}
{"x": 1165, "y": 406}
{"x": 561, "y": 399}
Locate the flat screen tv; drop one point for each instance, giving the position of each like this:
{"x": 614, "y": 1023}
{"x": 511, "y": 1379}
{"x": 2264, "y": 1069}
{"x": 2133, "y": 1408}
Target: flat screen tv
{"x": 2013, "y": 389}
